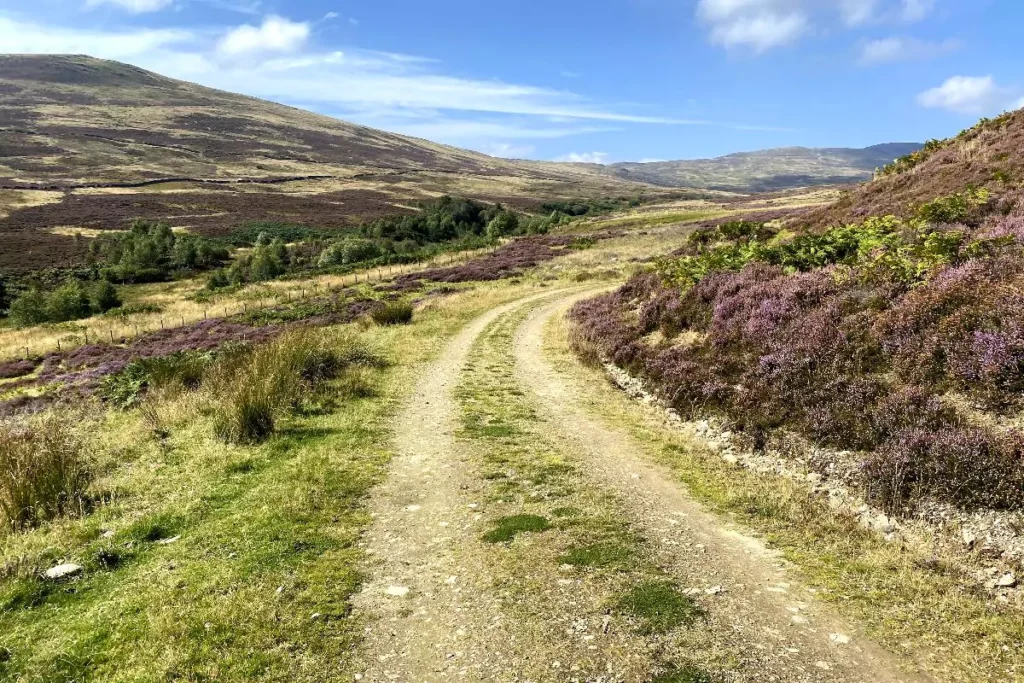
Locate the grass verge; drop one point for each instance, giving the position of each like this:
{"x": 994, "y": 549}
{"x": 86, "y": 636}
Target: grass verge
{"x": 206, "y": 560}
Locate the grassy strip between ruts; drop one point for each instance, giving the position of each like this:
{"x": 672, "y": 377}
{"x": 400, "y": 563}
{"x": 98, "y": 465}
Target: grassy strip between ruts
{"x": 206, "y": 561}
{"x": 564, "y": 559}
{"x": 910, "y": 600}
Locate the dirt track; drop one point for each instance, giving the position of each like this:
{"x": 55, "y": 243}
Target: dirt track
{"x": 435, "y": 614}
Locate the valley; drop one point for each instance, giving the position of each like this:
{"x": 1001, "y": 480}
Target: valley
{"x": 286, "y": 398}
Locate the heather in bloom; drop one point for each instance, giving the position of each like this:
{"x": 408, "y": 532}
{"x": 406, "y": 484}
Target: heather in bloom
{"x": 854, "y": 338}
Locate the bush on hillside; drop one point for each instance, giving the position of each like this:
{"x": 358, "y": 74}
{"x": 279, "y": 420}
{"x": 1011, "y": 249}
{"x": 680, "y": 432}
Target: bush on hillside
{"x": 71, "y": 301}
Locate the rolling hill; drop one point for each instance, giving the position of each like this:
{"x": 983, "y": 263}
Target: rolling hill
{"x": 88, "y": 144}
{"x": 767, "y": 170}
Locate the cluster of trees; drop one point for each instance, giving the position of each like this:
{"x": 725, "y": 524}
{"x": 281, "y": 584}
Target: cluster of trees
{"x": 446, "y": 221}
{"x": 152, "y": 252}
{"x": 443, "y": 220}
{"x": 269, "y": 258}
{"x": 71, "y": 301}
{"x": 591, "y": 207}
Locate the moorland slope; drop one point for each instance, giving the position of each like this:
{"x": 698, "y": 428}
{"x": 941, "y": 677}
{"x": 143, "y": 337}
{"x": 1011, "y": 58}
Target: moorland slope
{"x": 88, "y": 144}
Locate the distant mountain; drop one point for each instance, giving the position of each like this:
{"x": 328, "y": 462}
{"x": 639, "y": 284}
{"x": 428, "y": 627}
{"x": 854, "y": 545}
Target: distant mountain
{"x": 767, "y": 170}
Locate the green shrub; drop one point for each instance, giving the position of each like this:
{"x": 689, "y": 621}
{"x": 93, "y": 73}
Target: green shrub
{"x": 218, "y": 280}
{"x": 581, "y": 243}
{"x": 393, "y": 313}
{"x": 181, "y": 371}
{"x": 505, "y": 223}
{"x": 103, "y": 297}
{"x": 29, "y": 309}
{"x": 43, "y": 471}
{"x": 349, "y": 251}
{"x": 955, "y": 208}
{"x": 68, "y": 302}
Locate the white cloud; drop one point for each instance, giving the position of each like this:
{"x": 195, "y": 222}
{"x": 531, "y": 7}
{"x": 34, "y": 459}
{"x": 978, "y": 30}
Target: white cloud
{"x": 584, "y": 158}
{"x": 973, "y": 95}
{"x": 857, "y": 12}
{"x": 757, "y": 24}
{"x": 900, "y": 49}
{"x": 762, "y": 25}
{"x": 916, "y": 10}
{"x": 133, "y": 6}
{"x": 23, "y": 38}
{"x": 275, "y": 34}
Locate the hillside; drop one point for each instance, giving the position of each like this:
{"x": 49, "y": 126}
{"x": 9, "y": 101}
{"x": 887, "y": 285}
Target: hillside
{"x": 92, "y": 144}
{"x": 887, "y": 326}
{"x": 767, "y": 170}
{"x": 989, "y": 155}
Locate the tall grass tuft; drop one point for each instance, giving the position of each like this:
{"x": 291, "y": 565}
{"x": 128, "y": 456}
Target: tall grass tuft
{"x": 43, "y": 471}
{"x": 251, "y": 391}
{"x": 393, "y": 313}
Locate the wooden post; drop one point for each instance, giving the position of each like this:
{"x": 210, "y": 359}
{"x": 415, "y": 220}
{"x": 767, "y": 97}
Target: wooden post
{"x": 111, "y": 335}
{"x": 58, "y": 346}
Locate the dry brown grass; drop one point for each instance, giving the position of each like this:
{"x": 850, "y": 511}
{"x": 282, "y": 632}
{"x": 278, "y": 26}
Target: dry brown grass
{"x": 43, "y": 471}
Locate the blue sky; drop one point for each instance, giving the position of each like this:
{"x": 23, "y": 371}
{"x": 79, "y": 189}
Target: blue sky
{"x": 566, "y": 79}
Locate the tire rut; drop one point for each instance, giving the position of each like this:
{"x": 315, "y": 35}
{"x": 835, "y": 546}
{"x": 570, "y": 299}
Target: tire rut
{"x": 431, "y": 610}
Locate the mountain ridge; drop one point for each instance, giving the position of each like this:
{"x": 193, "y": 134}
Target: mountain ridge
{"x": 767, "y": 170}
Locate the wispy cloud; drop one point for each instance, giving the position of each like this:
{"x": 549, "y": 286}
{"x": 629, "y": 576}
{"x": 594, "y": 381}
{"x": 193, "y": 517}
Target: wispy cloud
{"x": 584, "y": 158}
{"x": 133, "y": 6}
{"x": 763, "y": 25}
{"x": 904, "y": 49}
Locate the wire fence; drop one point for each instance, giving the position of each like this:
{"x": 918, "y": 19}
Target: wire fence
{"x": 36, "y": 342}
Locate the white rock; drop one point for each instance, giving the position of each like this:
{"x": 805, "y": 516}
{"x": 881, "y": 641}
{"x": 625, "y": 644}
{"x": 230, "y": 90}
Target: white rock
{"x": 714, "y": 590}
{"x": 62, "y": 571}
{"x": 1007, "y": 580}
{"x": 730, "y": 458}
{"x": 168, "y": 541}
{"x": 840, "y": 639}
{"x": 397, "y": 591}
